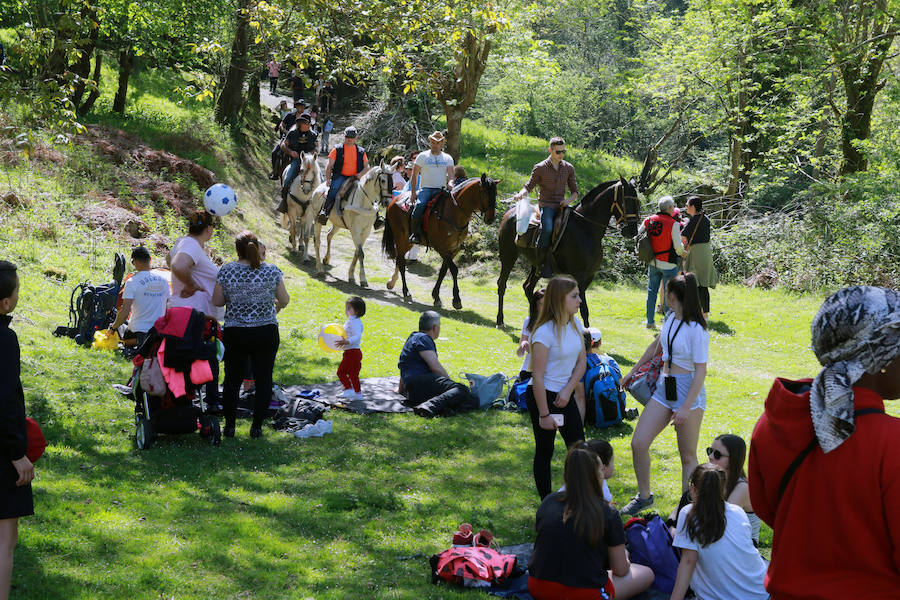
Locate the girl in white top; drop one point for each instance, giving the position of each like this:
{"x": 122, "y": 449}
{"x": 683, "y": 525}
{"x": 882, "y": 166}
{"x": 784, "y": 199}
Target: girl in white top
{"x": 351, "y": 362}
{"x": 193, "y": 273}
{"x": 680, "y": 396}
{"x": 557, "y": 364}
{"x": 718, "y": 558}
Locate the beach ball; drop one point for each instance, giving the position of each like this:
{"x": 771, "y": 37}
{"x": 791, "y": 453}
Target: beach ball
{"x": 219, "y": 199}
{"x": 329, "y": 336}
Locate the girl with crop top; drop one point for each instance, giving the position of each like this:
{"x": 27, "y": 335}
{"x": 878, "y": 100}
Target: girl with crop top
{"x": 557, "y": 364}
{"x": 680, "y": 396}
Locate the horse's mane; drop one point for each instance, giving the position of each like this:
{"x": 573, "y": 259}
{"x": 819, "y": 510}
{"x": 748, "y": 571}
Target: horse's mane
{"x": 595, "y": 192}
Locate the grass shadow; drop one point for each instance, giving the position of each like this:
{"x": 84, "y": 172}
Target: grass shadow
{"x": 720, "y": 327}
{"x": 623, "y": 362}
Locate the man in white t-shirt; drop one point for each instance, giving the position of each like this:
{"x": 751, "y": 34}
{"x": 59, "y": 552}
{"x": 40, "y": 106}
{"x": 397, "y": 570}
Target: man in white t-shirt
{"x": 144, "y": 297}
{"x": 436, "y": 169}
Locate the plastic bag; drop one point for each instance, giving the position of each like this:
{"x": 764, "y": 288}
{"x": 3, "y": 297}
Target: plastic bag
{"x": 523, "y": 215}
{"x": 105, "y": 339}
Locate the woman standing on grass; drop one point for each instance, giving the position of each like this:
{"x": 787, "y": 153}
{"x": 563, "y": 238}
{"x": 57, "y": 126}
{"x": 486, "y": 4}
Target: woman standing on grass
{"x": 579, "y": 552}
{"x": 557, "y": 364}
{"x": 680, "y": 396}
{"x": 252, "y": 292}
{"x": 698, "y": 258}
{"x": 718, "y": 558}
{"x": 193, "y": 273}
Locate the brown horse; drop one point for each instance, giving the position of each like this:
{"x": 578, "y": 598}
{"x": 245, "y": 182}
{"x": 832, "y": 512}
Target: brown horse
{"x": 579, "y": 252}
{"x": 448, "y": 226}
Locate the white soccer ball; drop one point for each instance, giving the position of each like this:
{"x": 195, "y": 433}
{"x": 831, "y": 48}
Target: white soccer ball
{"x": 219, "y": 199}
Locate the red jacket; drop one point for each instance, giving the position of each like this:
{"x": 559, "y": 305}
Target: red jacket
{"x": 837, "y": 526}
{"x": 659, "y": 228}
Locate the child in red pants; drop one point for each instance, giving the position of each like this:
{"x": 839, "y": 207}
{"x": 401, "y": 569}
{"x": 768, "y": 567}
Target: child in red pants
{"x": 351, "y": 363}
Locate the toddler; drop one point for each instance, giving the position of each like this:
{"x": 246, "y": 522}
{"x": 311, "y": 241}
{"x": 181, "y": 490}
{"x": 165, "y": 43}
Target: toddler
{"x": 351, "y": 363}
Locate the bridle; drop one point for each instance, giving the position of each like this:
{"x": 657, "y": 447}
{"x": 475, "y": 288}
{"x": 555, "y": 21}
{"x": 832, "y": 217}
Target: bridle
{"x": 617, "y": 205}
{"x": 384, "y": 189}
{"x": 307, "y": 185}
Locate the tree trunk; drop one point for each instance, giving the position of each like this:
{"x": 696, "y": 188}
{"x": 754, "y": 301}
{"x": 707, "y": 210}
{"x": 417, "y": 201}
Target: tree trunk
{"x": 228, "y": 108}
{"x": 95, "y": 91}
{"x": 125, "y": 66}
{"x": 855, "y": 125}
{"x": 454, "y": 129}
{"x": 252, "y": 106}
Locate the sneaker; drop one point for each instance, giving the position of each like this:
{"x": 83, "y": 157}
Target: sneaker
{"x": 636, "y": 505}
{"x": 348, "y": 393}
{"x": 125, "y": 390}
{"x": 650, "y": 325}
{"x": 379, "y": 222}
{"x": 322, "y": 219}
{"x": 359, "y": 396}
{"x": 631, "y": 414}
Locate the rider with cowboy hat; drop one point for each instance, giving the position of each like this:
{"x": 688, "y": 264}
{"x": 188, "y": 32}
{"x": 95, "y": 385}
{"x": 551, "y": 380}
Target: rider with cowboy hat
{"x": 436, "y": 169}
{"x": 301, "y": 138}
{"x": 345, "y": 161}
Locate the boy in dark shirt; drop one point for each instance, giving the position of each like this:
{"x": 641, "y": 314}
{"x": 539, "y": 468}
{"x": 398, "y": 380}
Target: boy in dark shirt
{"x": 16, "y": 471}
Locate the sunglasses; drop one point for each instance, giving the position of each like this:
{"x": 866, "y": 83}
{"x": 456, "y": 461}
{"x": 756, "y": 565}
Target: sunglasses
{"x": 560, "y": 151}
{"x": 715, "y": 453}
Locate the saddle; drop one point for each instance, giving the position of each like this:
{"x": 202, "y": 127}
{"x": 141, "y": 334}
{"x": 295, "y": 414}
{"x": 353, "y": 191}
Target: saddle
{"x": 345, "y": 192}
{"x": 403, "y": 203}
{"x": 530, "y": 238}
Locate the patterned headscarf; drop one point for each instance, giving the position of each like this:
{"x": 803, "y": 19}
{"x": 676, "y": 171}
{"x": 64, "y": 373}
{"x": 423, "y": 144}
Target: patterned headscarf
{"x": 856, "y": 331}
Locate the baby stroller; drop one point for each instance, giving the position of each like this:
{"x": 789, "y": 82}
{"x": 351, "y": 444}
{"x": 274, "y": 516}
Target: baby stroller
{"x": 173, "y": 366}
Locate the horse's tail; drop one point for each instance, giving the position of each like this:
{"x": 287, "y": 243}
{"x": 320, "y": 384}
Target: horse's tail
{"x": 388, "y": 245}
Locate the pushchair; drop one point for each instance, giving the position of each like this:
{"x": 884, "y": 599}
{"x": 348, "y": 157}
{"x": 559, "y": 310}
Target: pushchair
{"x": 173, "y": 367}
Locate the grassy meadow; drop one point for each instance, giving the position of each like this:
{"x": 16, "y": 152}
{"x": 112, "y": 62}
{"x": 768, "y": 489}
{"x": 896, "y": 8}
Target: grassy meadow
{"x": 354, "y": 514}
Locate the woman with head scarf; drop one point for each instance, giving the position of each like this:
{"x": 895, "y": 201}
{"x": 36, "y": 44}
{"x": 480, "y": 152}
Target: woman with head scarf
{"x": 825, "y": 459}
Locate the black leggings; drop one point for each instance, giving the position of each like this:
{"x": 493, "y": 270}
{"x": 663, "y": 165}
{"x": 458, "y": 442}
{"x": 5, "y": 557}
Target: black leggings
{"x": 572, "y": 431}
{"x": 259, "y": 345}
{"x": 704, "y": 297}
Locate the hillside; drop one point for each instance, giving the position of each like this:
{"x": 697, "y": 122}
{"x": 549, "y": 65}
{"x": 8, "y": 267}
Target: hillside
{"x": 353, "y": 514}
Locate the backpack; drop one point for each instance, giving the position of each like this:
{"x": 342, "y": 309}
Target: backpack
{"x": 486, "y": 389}
{"x": 601, "y": 390}
{"x": 93, "y": 307}
{"x": 650, "y": 544}
{"x": 478, "y": 563}
{"x": 644, "y": 247}
{"x": 518, "y": 393}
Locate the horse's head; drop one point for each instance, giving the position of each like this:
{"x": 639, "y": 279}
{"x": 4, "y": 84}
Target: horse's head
{"x": 488, "y": 197}
{"x": 309, "y": 172}
{"x": 379, "y": 178}
{"x": 631, "y": 209}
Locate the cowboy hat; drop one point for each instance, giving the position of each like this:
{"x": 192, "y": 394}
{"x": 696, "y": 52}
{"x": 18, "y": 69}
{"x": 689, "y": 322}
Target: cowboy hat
{"x": 437, "y": 136}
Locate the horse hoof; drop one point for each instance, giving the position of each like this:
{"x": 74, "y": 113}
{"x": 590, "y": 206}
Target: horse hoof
{"x": 438, "y": 303}
{"x": 391, "y": 284}
{"x": 326, "y": 261}
{"x": 457, "y": 303}
{"x": 408, "y": 299}
{"x": 364, "y": 284}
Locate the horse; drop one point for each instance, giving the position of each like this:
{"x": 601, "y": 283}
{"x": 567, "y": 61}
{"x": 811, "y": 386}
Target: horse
{"x": 448, "y": 228}
{"x": 300, "y": 202}
{"x": 357, "y": 216}
{"x": 580, "y": 249}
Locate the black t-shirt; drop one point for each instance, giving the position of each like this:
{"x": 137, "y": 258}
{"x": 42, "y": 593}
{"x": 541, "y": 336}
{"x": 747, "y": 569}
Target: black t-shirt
{"x": 700, "y": 223}
{"x": 289, "y": 120}
{"x": 411, "y": 363}
{"x": 562, "y": 557}
{"x": 301, "y": 141}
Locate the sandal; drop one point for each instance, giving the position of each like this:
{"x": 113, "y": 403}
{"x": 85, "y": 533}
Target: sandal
{"x": 484, "y": 539}
{"x": 463, "y": 536}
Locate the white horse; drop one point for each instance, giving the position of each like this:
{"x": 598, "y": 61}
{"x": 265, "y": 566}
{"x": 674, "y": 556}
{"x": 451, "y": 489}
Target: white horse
{"x": 301, "y": 202}
{"x": 357, "y": 216}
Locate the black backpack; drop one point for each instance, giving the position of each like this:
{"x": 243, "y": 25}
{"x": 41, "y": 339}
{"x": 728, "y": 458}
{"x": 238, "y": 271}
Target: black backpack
{"x": 93, "y": 307}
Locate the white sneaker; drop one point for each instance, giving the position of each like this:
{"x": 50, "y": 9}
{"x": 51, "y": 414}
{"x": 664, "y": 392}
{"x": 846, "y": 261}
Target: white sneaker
{"x": 348, "y": 393}
{"x": 359, "y": 396}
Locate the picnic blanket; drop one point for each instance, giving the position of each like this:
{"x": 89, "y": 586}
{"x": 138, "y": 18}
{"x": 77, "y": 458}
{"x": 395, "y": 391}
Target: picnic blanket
{"x": 380, "y": 396}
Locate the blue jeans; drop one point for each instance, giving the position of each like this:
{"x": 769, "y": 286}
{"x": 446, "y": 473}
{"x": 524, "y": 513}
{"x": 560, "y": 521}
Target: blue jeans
{"x": 423, "y": 197}
{"x": 548, "y": 213}
{"x": 291, "y": 174}
{"x": 336, "y": 182}
{"x": 656, "y": 276}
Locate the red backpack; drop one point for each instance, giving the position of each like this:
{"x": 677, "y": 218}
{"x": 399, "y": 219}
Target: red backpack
{"x": 484, "y": 564}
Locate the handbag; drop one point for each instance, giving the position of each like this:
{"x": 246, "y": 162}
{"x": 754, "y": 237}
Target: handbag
{"x": 643, "y": 384}
{"x": 37, "y": 443}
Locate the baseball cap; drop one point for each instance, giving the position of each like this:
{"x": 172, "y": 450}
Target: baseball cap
{"x": 596, "y": 336}
{"x": 304, "y": 118}
{"x": 350, "y": 132}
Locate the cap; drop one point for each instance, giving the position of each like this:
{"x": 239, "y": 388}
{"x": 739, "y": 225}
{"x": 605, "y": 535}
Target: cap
{"x": 409, "y": 164}
{"x": 596, "y": 336}
{"x": 302, "y": 101}
{"x": 304, "y": 118}
{"x": 350, "y": 132}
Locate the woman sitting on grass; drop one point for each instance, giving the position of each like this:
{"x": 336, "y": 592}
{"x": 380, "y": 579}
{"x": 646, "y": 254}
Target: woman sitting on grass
{"x": 579, "y": 552}
{"x": 718, "y": 558}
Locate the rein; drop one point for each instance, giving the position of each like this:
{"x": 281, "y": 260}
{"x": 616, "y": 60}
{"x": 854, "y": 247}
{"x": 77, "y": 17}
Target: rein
{"x": 615, "y": 206}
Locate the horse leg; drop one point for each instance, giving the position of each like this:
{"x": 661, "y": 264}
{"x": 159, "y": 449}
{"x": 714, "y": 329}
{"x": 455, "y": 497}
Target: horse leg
{"x": 401, "y": 264}
{"x": 436, "y": 291}
{"x": 363, "y": 236}
{"x": 582, "y": 291}
{"x": 327, "y": 259}
{"x": 454, "y": 270}
{"x": 393, "y": 280}
{"x": 304, "y": 237}
{"x": 317, "y": 238}
{"x": 506, "y": 267}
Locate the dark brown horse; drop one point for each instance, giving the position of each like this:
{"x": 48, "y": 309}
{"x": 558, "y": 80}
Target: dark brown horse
{"x": 580, "y": 250}
{"x": 448, "y": 227}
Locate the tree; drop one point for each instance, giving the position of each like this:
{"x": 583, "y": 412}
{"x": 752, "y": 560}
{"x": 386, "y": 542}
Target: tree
{"x": 228, "y": 107}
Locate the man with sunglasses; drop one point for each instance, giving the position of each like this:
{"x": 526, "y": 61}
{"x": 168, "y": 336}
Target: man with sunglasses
{"x": 553, "y": 175}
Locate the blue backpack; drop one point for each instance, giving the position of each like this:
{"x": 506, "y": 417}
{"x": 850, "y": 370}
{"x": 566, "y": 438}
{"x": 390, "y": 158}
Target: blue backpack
{"x": 604, "y": 400}
{"x": 650, "y": 544}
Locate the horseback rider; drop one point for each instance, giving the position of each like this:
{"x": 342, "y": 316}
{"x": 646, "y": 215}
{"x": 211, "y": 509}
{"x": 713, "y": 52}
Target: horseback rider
{"x": 287, "y": 121}
{"x": 553, "y": 175}
{"x": 299, "y": 139}
{"x": 436, "y": 169}
{"x": 344, "y": 162}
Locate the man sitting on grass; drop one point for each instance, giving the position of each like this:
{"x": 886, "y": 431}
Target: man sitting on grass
{"x": 429, "y": 389}
{"x": 144, "y": 299}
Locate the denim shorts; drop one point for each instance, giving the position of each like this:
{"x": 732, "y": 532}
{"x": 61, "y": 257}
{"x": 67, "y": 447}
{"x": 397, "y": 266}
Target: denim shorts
{"x": 683, "y": 381}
